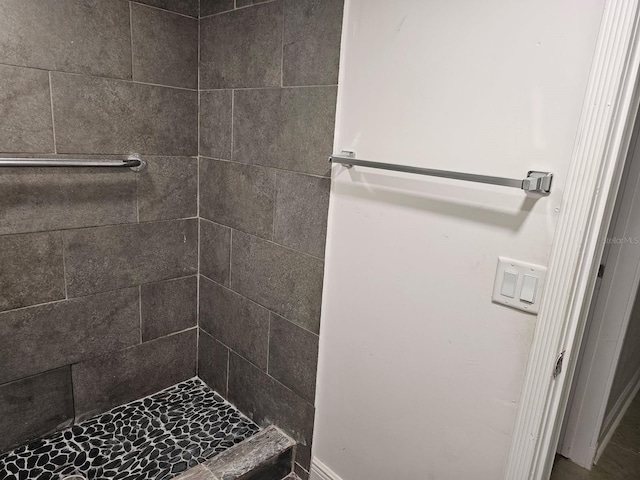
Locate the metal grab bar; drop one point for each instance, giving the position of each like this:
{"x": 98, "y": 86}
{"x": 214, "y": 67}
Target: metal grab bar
{"x": 536, "y": 182}
{"x": 133, "y": 161}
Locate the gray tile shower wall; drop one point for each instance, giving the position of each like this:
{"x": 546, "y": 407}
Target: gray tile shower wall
{"x": 99, "y": 280}
{"x": 91, "y": 37}
{"x": 268, "y": 85}
{"x": 98, "y": 284}
{"x": 242, "y": 48}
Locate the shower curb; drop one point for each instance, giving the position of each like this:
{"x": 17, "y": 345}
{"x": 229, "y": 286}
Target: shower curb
{"x": 268, "y": 452}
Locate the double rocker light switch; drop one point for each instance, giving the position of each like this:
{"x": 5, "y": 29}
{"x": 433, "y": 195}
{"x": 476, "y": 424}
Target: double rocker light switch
{"x": 519, "y": 284}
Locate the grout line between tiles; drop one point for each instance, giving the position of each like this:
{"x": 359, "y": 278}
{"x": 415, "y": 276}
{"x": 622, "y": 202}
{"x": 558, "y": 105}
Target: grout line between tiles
{"x": 236, "y": 8}
{"x": 164, "y": 10}
{"x": 64, "y": 265}
{"x": 233, "y": 106}
{"x": 253, "y": 365}
{"x": 73, "y": 394}
{"x": 197, "y": 350}
{"x": 175, "y": 87}
{"x": 131, "y": 38}
{"x": 228, "y": 371}
{"x": 267, "y": 166}
{"x": 140, "y": 312}
{"x": 275, "y": 205}
{"x": 199, "y": 96}
{"x": 268, "y": 342}
{"x": 198, "y": 301}
{"x": 93, "y": 358}
{"x": 33, "y": 375}
{"x": 260, "y": 305}
{"x": 100, "y": 77}
{"x": 137, "y": 177}
{"x": 276, "y": 87}
{"x": 294, "y": 324}
{"x": 282, "y": 16}
{"x": 302, "y": 468}
{"x": 53, "y": 120}
{"x": 198, "y": 279}
{"x": 230, "y": 254}
{"x": 72, "y": 229}
{"x": 231, "y": 349}
{"x": 271, "y": 241}
{"x": 93, "y": 294}
{"x": 43, "y": 304}
{"x": 115, "y": 79}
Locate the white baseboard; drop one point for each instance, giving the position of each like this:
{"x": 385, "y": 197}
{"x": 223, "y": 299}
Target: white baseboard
{"x": 319, "y": 471}
{"x": 614, "y": 418}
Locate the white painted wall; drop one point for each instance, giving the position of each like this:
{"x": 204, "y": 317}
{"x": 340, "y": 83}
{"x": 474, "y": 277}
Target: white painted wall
{"x": 420, "y": 374}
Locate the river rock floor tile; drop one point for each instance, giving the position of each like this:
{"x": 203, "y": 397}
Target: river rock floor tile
{"x": 156, "y": 438}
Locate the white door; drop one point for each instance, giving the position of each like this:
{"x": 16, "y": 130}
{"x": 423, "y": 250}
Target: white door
{"x": 591, "y": 415}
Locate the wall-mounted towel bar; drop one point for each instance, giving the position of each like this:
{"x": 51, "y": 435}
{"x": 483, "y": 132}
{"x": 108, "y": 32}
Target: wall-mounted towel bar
{"x": 134, "y": 162}
{"x": 537, "y": 182}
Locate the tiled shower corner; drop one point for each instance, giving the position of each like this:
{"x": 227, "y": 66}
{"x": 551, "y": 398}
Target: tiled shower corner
{"x": 157, "y": 437}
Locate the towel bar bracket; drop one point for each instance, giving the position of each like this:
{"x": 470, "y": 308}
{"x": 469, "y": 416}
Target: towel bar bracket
{"x": 141, "y": 166}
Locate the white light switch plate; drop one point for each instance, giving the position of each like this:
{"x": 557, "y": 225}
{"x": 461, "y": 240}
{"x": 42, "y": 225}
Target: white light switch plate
{"x": 512, "y": 266}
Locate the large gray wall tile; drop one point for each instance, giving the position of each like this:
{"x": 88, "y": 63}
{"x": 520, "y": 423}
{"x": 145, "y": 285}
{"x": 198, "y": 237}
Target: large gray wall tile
{"x": 312, "y": 31}
{"x": 302, "y": 204}
{"x": 215, "y": 123}
{"x": 168, "y": 188}
{"x": 53, "y": 198}
{"x": 32, "y": 269}
{"x": 44, "y": 337}
{"x": 215, "y": 251}
{"x": 289, "y": 128}
{"x": 267, "y": 401}
{"x": 293, "y": 357}
{"x": 83, "y": 36}
{"x": 98, "y": 115}
{"x": 25, "y": 123}
{"x": 237, "y": 322}
{"x": 34, "y": 407}
{"x": 105, "y": 258}
{"x": 165, "y": 47}
{"x": 133, "y": 373}
{"x": 239, "y": 196}
{"x": 168, "y": 307}
{"x": 242, "y": 48}
{"x": 210, "y": 7}
{"x": 287, "y": 282}
{"x": 186, "y": 7}
{"x": 213, "y": 362}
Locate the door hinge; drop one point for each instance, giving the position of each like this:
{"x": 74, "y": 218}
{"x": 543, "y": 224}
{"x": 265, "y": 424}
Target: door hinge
{"x": 601, "y": 271}
{"x": 557, "y": 370}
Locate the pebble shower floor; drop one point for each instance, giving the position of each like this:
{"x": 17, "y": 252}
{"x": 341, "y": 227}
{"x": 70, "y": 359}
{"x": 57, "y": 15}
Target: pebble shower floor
{"x": 157, "y": 437}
